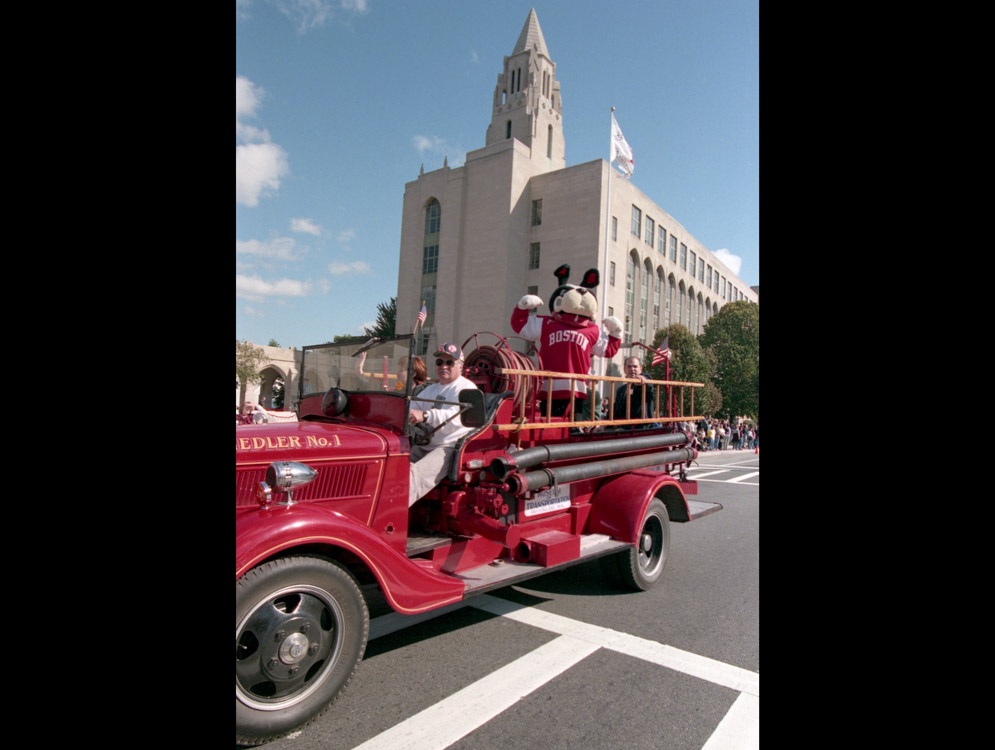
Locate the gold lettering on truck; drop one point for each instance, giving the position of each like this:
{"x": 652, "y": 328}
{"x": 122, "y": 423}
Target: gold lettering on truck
{"x": 282, "y": 442}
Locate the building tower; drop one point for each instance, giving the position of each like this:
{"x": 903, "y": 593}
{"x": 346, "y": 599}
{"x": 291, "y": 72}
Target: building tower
{"x": 476, "y": 237}
{"x": 527, "y": 104}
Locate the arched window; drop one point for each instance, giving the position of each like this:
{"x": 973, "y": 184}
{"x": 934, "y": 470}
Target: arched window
{"x": 670, "y": 300}
{"x": 680, "y": 303}
{"x": 433, "y": 217}
{"x": 644, "y": 300}
{"x": 657, "y": 312}
{"x": 433, "y": 223}
{"x": 630, "y": 294}
{"x": 507, "y": 131}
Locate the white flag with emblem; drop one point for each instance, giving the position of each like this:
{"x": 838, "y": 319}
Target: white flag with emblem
{"x": 621, "y": 154}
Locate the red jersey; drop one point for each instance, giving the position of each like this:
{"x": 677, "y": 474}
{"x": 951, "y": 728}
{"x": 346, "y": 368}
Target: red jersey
{"x": 565, "y": 348}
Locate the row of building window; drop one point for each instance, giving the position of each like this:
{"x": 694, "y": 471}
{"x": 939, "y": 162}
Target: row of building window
{"x": 681, "y": 304}
{"x": 699, "y": 269}
{"x": 686, "y": 260}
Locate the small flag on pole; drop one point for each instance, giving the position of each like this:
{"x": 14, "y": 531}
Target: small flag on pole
{"x": 621, "y": 154}
{"x": 662, "y": 353}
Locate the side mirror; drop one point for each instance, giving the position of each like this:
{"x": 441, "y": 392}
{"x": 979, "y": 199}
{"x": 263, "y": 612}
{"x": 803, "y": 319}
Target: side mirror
{"x": 473, "y": 414}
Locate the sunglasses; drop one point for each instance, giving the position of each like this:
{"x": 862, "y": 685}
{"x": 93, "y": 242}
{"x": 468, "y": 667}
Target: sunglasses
{"x": 446, "y": 362}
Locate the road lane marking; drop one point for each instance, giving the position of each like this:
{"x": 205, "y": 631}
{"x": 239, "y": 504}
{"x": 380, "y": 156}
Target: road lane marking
{"x": 696, "y": 475}
{"x": 739, "y": 728}
{"x": 725, "y": 481}
{"x": 452, "y": 718}
{"x": 745, "y": 476}
{"x": 714, "y": 671}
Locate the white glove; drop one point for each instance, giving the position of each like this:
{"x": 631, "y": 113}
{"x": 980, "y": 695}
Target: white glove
{"x": 613, "y": 325}
{"x": 530, "y": 302}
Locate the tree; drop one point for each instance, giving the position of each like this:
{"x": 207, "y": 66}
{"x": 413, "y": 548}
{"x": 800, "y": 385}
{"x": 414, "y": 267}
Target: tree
{"x": 248, "y": 360}
{"x": 688, "y": 362}
{"x": 733, "y": 337}
{"x": 383, "y": 328}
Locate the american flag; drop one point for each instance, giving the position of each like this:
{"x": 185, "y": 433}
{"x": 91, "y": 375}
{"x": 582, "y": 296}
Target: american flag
{"x": 422, "y": 314}
{"x": 662, "y": 353}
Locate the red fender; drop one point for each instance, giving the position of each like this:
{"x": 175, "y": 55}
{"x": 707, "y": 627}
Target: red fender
{"x": 619, "y": 504}
{"x": 409, "y": 587}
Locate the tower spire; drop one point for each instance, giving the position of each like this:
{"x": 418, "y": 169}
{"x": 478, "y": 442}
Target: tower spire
{"x": 531, "y": 37}
{"x": 527, "y": 104}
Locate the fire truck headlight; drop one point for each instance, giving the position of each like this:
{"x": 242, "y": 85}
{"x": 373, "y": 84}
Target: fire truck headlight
{"x": 285, "y": 475}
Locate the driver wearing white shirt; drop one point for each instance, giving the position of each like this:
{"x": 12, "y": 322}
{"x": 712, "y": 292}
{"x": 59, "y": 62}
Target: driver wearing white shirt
{"x": 429, "y": 463}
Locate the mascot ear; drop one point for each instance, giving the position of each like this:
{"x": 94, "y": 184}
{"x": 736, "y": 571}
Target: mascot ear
{"x": 591, "y": 279}
{"x": 562, "y": 273}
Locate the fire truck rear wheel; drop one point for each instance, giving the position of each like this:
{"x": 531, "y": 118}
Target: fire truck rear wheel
{"x": 641, "y": 566}
{"x": 301, "y": 626}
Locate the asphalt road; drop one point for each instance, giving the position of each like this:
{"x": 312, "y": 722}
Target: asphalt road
{"x": 566, "y": 661}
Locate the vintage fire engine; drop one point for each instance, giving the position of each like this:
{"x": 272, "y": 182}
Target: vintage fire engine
{"x": 321, "y": 509}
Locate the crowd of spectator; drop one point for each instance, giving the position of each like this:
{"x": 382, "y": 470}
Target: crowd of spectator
{"x": 720, "y": 434}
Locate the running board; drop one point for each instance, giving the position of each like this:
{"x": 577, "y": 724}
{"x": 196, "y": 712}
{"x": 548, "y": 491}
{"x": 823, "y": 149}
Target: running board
{"x": 697, "y": 508}
{"x": 420, "y": 543}
{"x": 503, "y": 572}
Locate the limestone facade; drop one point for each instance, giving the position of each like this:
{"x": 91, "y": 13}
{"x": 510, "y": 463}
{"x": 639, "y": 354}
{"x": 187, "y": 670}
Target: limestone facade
{"x": 475, "y": 238}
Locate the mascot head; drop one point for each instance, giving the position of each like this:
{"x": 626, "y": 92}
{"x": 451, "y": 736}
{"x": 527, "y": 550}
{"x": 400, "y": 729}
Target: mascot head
{"x": 571, "y": 304}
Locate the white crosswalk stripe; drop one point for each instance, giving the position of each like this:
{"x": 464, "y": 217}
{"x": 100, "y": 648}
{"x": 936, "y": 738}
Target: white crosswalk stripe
{"x": 452, "y": 718}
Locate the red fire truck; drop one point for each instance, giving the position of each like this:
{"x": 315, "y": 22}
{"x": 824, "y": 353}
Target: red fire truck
{"x": 322, "y": 516}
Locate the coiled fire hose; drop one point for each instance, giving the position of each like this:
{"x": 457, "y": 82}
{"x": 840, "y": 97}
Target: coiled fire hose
{"x": 481, "y": 367}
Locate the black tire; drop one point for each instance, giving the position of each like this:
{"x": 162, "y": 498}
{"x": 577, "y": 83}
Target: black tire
{"x": 301, "y": 625}
{"x": 641, "y": 566}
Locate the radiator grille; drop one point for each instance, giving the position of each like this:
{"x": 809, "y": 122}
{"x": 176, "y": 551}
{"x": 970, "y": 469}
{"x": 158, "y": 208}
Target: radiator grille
{"x": 334, "y": 481}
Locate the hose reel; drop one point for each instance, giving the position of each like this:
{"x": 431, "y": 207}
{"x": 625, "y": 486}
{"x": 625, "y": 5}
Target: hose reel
{"x": 482, "y": 363}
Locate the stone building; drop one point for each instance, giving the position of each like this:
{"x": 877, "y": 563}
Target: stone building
{"x": 281, "y": 365}
{"x": 475, "y": 238}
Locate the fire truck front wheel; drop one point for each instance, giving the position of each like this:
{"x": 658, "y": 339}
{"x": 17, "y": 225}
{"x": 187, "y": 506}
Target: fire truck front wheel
{"x": 301, "y": 626}
{"x": 641, "y": 566}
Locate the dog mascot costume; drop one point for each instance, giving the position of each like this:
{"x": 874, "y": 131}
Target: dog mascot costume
{"x": 569, "y": 338}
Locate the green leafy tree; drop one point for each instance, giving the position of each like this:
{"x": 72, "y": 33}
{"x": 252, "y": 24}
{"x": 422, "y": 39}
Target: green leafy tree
{"x": 689, "y": 362}
{"x": 248, "y": 360}
{"x": 732, "y": 335}
{"x": 386, "y": 316}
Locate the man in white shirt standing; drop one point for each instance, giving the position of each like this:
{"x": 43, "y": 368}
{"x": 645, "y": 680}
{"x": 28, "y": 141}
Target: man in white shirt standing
{"x": 429, "y": 463}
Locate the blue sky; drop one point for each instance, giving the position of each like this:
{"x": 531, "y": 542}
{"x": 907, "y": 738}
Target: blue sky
{"x": 339, "y": 103}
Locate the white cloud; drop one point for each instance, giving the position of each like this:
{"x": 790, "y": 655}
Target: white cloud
{"x": 425, "y": 143}
{"x": 732, "y": 262}
{"x": 259, "y": 164}
{"x": 258, "y": 170}
{"x": 346, "y": 235}
{"x": 305, "y": 226}
{"x": 434, "y": 145}
{"x": 278, "y": 248}
{"x": 338, "y": 269}
{"x": 247, "y": 96}
{"x": 356, "y": 6}
{"x": 306, "y": 14}
{"x": 255, "y": 289}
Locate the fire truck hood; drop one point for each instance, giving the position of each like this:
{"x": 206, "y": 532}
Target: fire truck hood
{"x": 309, "y": 441}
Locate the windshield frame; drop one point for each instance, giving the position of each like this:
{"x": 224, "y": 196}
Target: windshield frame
{"x": 361, "y": 355}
